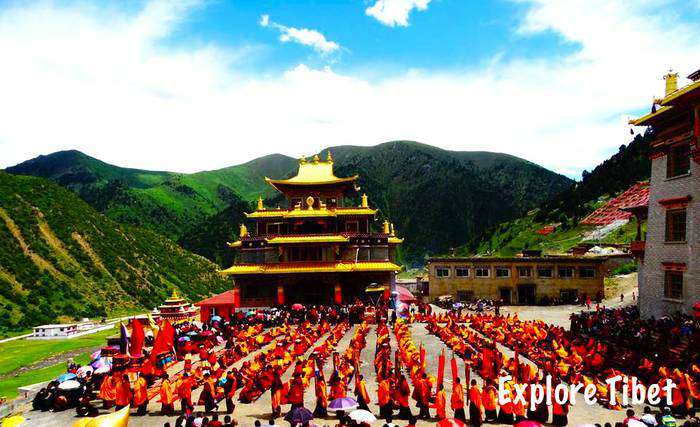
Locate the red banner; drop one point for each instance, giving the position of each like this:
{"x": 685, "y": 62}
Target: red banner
{"x": 137, "y": 338}
{"x": 441, "y": 368}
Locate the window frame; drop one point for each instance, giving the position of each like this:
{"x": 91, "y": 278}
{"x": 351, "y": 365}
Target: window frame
{"x": 566, "y": 268}
{"x": 592, "y": 269}
{"x": 527, "y": 268}
{"x": 463, "y": 268}
{"x": 671, "y": 224}
{"x": 551, "y": 272}
{"x": 669, "y": 293}
{"x": 439, "y": 269}
{"x": 678, "y": 155}
{"x": 482, "y": 267}
{"x": 502, "y": 268}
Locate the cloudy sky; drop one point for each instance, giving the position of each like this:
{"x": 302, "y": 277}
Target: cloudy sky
{"x": 202, "y": 84}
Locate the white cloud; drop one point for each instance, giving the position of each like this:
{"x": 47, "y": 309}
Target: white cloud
{"x": 395, "y": 12}
{"x": 101, "y": 82}
{"x": 306, "y": 37}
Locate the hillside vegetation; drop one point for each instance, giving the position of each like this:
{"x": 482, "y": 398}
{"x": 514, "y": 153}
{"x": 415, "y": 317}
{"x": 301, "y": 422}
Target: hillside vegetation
{"x": 626, "y": 167}
{"x": 437, "y": 199}
{"x": 60, "y": 258}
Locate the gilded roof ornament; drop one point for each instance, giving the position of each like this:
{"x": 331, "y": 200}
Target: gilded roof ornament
{"x": 243, "y": 231}
{"x": 260, "y": 204}
{"x": 316, "y": 159}
{"x": 329, "y": 157}
{"x": 364, "y": 201}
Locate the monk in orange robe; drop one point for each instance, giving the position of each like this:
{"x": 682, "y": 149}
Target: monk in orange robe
{"x": 108, "y": 391}
{"x": 457, "y": 400}
{"x": 166, "y": 396}
{"x": 123, "y": 392}
{"x": 474, "y": 404}
{"x": 184, "y": 390}
{"x": 384, "y": 399}
{"x": 361, "y": 393}
{"x": 321, "y": 397}
{"x": 276, "y": 394}
{"x": 141, "y": 395}
{"x": 441, "y": 403}
{"x": 489, "y": 400}
{"x": 296, "y": 391}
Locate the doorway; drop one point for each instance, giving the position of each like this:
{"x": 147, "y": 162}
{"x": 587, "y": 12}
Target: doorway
{"x": 526, "y": 294}
{"x": 506, "y": 295}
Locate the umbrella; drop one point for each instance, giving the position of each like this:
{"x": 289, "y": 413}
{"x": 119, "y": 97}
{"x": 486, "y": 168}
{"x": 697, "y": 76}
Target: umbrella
{"x": 207, "y": 333}
{"x": 362, "y": 416}
{"x": 297, "y": 306}
{"x": 103, "y": 369}
{"x": 183, "y": 339}
{"x": 192, "y": 333}
{"x": 343, "y": 404}
{"x": 450, "y": 422}
{"x": 219, "y": 339}
{"x": 299, "y": 415}
{"x": 83, "y": 370}
{"x": 96, "y": 354}
{"x": 216, "y": 318}
{"x": 66, "y": 377}
{"x": 529, "y": 423}
{"x": 69, "y": 385}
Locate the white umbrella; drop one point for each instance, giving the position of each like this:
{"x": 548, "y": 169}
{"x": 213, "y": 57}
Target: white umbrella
{"x": 69, "y": 385}
{"x": 83, "y": 370}
{"x": 362, "y": 416}
{"x": 103, "y": 369}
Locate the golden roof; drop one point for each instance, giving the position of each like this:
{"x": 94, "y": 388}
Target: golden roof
{"x": 672, "y": 94}
{"x": 311, "y": 267}
{"x": 314, "y": 172}
{"x": 310, "y": 213}
{"x": 307, "y": 239}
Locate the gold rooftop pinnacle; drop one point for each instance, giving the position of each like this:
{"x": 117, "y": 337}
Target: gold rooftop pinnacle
{"x": 243, "y": 231}
{"x": 302, "y": 160}
{"x": 316, "y": 159}
{"x": 364, "y": 201}
{"x": 329, "y": 157}
{"x": 671, "y": 82}
{"x": 260, "y": 204}
{"x": 386, "y": 227}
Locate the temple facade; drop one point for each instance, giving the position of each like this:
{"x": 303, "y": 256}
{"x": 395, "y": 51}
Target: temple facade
{"x": 322, "y": 248}
{"x": 669, "y": 273}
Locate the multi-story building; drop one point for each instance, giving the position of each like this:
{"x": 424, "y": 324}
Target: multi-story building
{"x": 669, "y": 278}
{"x": 518, "y": 280}
{"x": 320, "y": 249}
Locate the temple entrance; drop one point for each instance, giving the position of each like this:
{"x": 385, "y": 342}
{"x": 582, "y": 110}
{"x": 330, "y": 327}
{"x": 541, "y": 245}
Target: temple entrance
{"x": 506, "y": 296}
{"x": 526, "y": 294}
{"x": 311, "y": 292}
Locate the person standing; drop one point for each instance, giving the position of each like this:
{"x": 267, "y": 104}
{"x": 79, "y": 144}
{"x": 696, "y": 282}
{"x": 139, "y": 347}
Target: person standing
{"x": 184, "y": 390}
{"x": 384, "y": 399}
{"x": 440, "y": 403}
{"x": 361, "y": 393}
{"x": 140, "y": 395}
{"x": 321, "y": 409}
{"x": 457, "y": 400}
{"x": 475, "y": 404}
{"x": 229, "y": 391}
{"x": 166, "y": 396}
{"x": 123, "y": 395}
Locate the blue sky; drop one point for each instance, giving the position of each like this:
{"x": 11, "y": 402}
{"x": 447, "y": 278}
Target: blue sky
{"x": 203, "y": 84}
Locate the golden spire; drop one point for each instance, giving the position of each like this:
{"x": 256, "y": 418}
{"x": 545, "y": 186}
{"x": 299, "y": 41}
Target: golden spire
{"x": 244, "y": 231}
{"x": 260, "y": 204}
{"x": 386, "y": 227}
{"x": 329, "y": 158}
{"x": 174, "y": 295}
{"x": 316, "y": 159}
{"x": 671, "y": 82}
{"x": 392, "y": 230}
{"x": 364, "y": 201}
{"x": 302, "y": 160}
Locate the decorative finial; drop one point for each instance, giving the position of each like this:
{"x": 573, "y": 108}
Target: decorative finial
{"x": 260, "y": 204}
{"x": 386, "y": 227}
{"x": 316, "y": 159}
{"x": 671, "y": 82}
{"x": 302, "y": 160}
{"x": 310, "y": 202}
{"x": 329, "y": 158}
{"x": 364, "y": 201}
{"x": 174, "y": 295}
{"x": 392, "y": 229}
{"x": 244, "y": 231}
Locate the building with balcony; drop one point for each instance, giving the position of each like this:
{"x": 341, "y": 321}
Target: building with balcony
{"x": 323, "y": 247}
{"x": 669, "y": 258}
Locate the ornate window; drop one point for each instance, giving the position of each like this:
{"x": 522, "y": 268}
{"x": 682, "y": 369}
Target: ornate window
{"x": 678, "y": 161}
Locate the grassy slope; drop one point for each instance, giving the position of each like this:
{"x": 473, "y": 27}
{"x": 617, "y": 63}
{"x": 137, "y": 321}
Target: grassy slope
{"x": 9, "y": 385}
{"x": 458, "y": 194}
{"x": 59, "y": 257}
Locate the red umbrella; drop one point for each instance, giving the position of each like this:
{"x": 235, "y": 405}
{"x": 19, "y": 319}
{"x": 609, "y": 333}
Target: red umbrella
{"x": 405, "y": 295}
{"x": 297, "y": 307}
{"x": 528, "y": 423}
{"x": 450, "y": 422}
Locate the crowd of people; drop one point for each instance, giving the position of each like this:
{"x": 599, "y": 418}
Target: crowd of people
{"x": 225, "y": 362}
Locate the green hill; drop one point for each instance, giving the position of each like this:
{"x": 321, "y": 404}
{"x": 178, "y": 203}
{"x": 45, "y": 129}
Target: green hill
{"x": 615, "y": 175}
{"x": 60, "y": 258}
{"x": 437, "y": 198}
